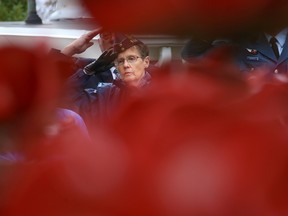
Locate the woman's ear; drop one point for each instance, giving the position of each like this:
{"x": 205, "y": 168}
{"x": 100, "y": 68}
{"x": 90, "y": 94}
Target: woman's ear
{"x": 146, "y": 61}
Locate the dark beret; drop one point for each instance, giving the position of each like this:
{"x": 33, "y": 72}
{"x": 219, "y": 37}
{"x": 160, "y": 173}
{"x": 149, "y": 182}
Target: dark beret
{"x": 123, "y": 42}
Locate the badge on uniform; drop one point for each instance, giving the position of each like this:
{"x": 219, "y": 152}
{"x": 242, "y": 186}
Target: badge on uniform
{"x": 252, "y": 51}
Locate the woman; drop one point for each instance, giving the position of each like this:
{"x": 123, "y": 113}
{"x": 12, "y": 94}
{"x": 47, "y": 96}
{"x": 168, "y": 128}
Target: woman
{"x": 132, "y": 60}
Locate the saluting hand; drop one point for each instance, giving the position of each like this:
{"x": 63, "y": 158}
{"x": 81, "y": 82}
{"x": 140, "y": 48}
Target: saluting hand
{"x": 81, "y": 44}
{"x": 103, "y": 63}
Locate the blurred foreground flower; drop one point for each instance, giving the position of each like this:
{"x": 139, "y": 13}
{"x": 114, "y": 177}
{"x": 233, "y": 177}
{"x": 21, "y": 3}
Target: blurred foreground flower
{"x": 33, "y": 128}
{"x": 30, "y": 88}
{"x": 186, "y": 17}
{"x": 201, "y": 141}
{"x": 204, "y": 146}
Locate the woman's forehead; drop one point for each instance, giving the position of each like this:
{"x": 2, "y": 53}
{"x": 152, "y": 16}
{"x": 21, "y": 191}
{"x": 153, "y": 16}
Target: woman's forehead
{"x": 130, "y": 51}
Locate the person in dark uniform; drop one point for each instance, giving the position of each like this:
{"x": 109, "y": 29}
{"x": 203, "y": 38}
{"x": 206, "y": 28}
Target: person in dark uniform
{"x": 267, "y": 51}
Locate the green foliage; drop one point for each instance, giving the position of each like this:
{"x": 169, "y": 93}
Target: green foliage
{"x": 13, "y": 10}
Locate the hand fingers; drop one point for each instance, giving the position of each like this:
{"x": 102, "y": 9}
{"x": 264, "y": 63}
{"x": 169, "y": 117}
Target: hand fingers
{"x": 90, "y": 35}
{"x": 109, "y": 55}
{"x": 90, "y": 44}
{"x": 109, "y": 52}
{"x": 103, "y": 55}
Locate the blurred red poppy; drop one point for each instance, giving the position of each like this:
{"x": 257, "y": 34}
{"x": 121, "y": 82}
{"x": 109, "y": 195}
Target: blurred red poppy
{"x": 30, "y": 87}
{"x": 182, "y": 17}
{"x": 200, "y": 147}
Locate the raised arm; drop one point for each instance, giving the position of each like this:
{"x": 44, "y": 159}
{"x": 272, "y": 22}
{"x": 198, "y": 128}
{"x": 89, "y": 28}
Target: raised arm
{"x": 81, "y": 44}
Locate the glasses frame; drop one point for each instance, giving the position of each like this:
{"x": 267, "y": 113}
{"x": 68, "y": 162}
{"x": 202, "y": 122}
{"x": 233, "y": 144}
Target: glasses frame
{"x": 129, "y": 61}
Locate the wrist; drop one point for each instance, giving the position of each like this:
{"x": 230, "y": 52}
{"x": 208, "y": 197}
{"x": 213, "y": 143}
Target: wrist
{"x": 87, "y": 71}
{"x": 69, "y": 51}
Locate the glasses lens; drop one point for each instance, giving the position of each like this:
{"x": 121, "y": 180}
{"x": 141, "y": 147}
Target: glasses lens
{"x": 119, "y": 62}
{"x": 129, "y": 59}
{"x": 132, "y": 59}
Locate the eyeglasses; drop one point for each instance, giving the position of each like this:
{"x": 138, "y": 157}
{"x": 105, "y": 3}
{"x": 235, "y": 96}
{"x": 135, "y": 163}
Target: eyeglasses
{"x": 130, "y": 59}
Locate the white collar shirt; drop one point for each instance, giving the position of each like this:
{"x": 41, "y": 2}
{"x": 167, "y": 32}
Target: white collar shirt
{"x": 281, "y": 38}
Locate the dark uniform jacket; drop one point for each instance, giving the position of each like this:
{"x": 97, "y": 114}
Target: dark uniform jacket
{"x": 257, "y": 53}
{"x": 79, "y": 81}
{"x": 98, "y": 104}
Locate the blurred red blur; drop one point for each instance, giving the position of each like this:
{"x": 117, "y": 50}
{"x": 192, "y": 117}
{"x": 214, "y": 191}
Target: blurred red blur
{"x": 198, "y": 142}
{"x": 203, "y": 140}
{"x": 183, "y": 17}
{"x": 199, "y": 151}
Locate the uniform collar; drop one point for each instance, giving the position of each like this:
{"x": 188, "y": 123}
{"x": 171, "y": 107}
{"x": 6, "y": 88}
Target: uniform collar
{"x": 281, "y": 37}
